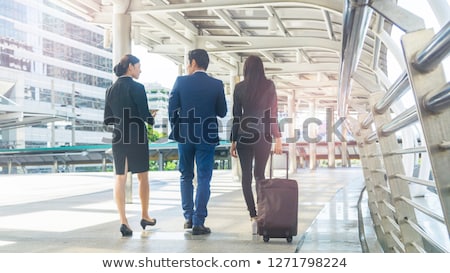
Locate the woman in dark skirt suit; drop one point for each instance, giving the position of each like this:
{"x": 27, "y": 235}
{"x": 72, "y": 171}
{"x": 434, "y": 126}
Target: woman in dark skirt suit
{"x": 126, "y": 108}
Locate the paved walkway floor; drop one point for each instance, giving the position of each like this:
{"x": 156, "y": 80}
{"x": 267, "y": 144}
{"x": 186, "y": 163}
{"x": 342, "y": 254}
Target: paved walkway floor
{"x": 75, "y": 212}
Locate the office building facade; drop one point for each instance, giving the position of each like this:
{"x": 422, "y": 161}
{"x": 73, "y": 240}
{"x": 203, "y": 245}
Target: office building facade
{"x": 54, "y": 63}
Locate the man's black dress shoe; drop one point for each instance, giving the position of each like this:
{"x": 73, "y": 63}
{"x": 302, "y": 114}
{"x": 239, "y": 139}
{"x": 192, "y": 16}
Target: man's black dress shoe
{"x": 188, "y": 224}
{"x": 200, "y": 230}
{"x": 126, "y": 231}
{"x": 145, "y": 223}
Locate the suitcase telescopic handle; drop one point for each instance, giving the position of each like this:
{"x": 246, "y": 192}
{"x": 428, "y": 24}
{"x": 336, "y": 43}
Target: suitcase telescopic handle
{"x": 287, "y": 163}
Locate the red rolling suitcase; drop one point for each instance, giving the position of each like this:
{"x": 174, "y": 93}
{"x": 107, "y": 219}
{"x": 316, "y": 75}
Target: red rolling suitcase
{"x": 277, "y": 206}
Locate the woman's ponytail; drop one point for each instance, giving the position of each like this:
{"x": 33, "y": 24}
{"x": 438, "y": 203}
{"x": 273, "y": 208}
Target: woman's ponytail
{"x": 121, "y": 68}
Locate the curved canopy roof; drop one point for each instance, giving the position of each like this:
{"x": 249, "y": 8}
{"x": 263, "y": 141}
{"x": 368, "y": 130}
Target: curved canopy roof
{"x": 325, "y": 53}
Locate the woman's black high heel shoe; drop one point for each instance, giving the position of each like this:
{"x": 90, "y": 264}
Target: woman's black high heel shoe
{"x": 126, "y": 231}
{"x": 145, "y": 223}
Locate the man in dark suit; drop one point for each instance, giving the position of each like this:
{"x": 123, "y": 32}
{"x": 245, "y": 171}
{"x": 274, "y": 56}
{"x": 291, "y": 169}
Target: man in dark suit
{"x": 194, "y": 104}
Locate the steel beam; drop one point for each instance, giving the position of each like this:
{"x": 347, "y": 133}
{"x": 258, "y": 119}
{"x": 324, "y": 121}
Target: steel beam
{"x": 356, "y": 19}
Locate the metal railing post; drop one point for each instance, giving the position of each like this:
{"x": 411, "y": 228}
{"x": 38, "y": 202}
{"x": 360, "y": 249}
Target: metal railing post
{"x": 393, "y": 165}
{"x": 434, "y": 125}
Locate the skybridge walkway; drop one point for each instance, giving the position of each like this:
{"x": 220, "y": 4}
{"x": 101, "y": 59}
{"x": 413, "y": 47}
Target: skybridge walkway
{"x": 378, "y": 68}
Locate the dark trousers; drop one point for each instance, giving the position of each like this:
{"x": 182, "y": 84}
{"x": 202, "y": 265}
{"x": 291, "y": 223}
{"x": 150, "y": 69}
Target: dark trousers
{"x": 203, "y": 154}
{"x": 259, "y": 153}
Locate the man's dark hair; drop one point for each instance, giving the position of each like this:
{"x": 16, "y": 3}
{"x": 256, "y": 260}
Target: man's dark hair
{"x": 200, "y": 56}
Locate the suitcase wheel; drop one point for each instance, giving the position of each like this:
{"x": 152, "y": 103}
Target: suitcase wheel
{"x": 289, "y": 239}
{"x": 266, "y": 238}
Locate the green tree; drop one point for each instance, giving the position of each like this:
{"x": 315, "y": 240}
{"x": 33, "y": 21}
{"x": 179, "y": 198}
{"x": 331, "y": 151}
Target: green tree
{"x": 153, "y": 135}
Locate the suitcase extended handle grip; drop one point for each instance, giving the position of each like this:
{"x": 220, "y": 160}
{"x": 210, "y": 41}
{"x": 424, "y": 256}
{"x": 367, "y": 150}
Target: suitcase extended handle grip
{"x": 287, "y": 163}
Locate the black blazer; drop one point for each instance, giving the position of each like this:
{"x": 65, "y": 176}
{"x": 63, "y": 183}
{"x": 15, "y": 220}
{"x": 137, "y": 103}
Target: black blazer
{"x": 256, "y": 119}
{"x": 126, "y": 108}
{"x": 195, "y": 102}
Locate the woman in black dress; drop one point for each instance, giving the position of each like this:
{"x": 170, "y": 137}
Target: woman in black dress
{"x": 126, "y": 108}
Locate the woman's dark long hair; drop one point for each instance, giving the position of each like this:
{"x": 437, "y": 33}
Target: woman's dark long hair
{"x": 255, "y": 78}
{"x": 122, "y": 67}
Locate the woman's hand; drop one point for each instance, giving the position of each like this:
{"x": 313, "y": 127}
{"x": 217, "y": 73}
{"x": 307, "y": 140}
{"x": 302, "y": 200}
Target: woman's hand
{"x": 278, "y": 149}
{"x": 233, "y": 151}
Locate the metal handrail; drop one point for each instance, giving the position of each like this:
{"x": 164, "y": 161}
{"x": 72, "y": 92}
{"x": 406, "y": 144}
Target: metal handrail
{"x": 445, "y": 145}
{"x": 384, "y": 188}
{"x": 436, "y": 50}
{"x": 421, "y": 149}
{"x": 377, "y": 154}
{"x": 400, "y": 247}
{"x": 391, "y": 208}
{"x": 361, "y": 232}
{"x": 422, "y": 209}
{"x": 371, "y": 138}
{"x": 437, "y": 101}
{"x": 418, "y": 247}
{"x": 367, "y": 121}
{"x": 404, "y": 119}
{"x": 383, "y": 171}
{"x": 398, "y": 89}
{"x": 424, "y": 235}
{"x": 428, "y": 183}
{"x": 394, "y": 224}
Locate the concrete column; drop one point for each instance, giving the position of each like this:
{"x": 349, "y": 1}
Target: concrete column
{"x": 312, "y": 134}
{"x": 55, "y": 166}
{"x": 186, "y": 61}
{"x": 73, "y": 112}
{"x": 181, "y": 69}
{"x": 188, "y": 35}
{"x": 121, "y": 43}
{"x": 20, "y": 99}
{"x": 345, "y": 161}
{"x": 121, "y": 30}
{"x": 10, "y": 166}
{"x": 291, "y": 129}
{"x": 161, "y": 161}
{"x": 52, "y": 124}
{"x": 331, "y": 142}
{"x": 104, "y": 163}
